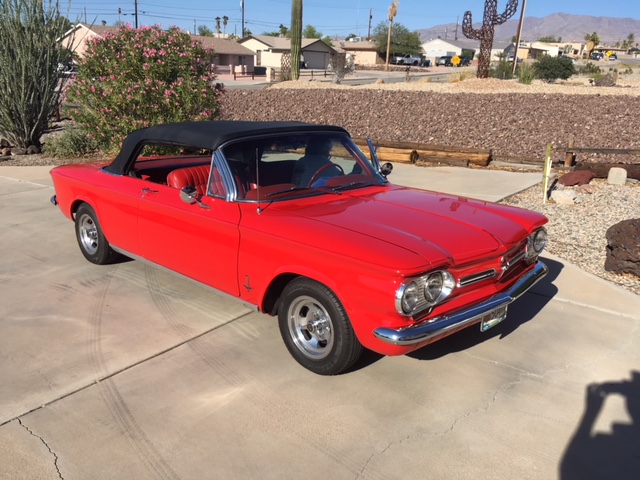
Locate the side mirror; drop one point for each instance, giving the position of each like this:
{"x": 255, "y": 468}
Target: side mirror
{"x": 189, "y": 194}
{"x": 386, "y": 169}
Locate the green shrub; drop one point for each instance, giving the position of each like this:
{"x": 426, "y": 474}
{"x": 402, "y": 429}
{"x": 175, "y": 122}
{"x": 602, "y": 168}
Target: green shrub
{"x": 589, "y": 68}
{"x": 502, "y": 70}
{"x": 526, "y": 73}
{"x": 136, "y": 78}
{"x": 549, "y": 69}
{"x": 30, "y": 55}
{"x": 73, "y": 142}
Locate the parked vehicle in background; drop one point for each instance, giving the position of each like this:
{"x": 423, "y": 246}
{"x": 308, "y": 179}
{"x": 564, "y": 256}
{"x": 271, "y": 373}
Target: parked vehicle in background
{"x": 294, "y": 220}
{"x": 407, "y": 60}
{"x": 596, "y": 56}
{"x": 445, "y": 61}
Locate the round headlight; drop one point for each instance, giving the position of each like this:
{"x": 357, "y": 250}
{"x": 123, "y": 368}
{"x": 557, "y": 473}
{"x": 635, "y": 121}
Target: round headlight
{"x": 539, "y": 240}
{"x": 410, "y": 298}
{"x": 433, "y": 287}
{"x": 438, "y": 286}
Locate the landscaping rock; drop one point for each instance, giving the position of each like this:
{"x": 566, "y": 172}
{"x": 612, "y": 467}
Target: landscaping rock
{"x": 564, "y": 197}
{"x": 617, "y": 176}
{"x": 623, "y": 247}
{"x": 609, "y": 80}
{"x": 32, "y": 150}
{"x": 18, "y": 151}
{"x": 577, "y": 177}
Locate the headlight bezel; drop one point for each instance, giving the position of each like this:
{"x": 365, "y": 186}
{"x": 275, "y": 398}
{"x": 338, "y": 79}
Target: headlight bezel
{"x": 415, "y": 295}
{"x": 536, "y": 243}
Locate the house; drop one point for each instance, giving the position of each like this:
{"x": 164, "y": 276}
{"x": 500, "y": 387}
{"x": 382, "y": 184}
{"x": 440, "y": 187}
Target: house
{"x": 364, "y": 52}
{"x": 76, "y": 38}
{"x": 523, "y": 51}
{"x": 227, "y": 52}
{"x": 439, "y": 47}
{"x": 538, "y": 49}
{"x": 269, "y": 50}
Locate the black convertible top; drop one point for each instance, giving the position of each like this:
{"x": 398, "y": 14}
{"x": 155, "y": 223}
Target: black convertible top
{"x": 204, "y": 135}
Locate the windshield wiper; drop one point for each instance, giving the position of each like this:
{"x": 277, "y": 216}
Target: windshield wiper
{"x": 360, "y": 183}
{"x": 297, "y": 189}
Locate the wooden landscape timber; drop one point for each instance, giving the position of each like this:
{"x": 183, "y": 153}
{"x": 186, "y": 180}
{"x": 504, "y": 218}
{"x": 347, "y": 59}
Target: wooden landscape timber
{"x": 409, "y": 152}
{"x": 602, "y": 169}
{"x": 571, "y": 152}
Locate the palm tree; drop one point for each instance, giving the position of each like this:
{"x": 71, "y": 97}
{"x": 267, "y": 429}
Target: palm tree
{"x": 225, "y": 20}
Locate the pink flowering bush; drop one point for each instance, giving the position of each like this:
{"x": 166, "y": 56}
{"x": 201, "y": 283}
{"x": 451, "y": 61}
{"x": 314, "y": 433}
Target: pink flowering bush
{"x": 136, "y": 78}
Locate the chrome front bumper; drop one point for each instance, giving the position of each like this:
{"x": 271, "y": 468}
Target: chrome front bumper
{"x": 433, "y": 327}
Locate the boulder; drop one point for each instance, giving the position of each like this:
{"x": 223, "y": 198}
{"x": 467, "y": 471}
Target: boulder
{"x": 623, "y": 247}
{"x": 4, "y": 143}
{"x": 608, "y": 80}
{"x": 617, "y": 176}
{"x": 577, "y": 177}
{"x": 32, "y": 150}
{"x": 564, "y": 197}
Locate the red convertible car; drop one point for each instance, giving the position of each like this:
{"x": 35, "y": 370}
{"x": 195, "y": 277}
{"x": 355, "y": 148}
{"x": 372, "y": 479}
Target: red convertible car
{"x": 293, "y": 219}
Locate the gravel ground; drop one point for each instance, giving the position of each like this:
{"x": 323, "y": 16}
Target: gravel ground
{"x": 577, "y": 232}
{"x": 510, "y": 118}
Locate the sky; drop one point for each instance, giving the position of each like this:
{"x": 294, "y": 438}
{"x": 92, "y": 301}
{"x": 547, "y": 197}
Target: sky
{"x": 330, "y": 17}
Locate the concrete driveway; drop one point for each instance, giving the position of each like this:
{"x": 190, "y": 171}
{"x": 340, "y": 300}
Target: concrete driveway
{"x": 128, "y": 372}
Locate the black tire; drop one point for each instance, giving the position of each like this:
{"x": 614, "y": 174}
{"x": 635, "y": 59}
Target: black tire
{"x": 93, "y": 244}
{"x": 316, "y": 329}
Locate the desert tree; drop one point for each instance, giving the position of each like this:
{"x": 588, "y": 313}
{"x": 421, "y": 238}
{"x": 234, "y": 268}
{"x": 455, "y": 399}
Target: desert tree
{"x": 32, "y": 57}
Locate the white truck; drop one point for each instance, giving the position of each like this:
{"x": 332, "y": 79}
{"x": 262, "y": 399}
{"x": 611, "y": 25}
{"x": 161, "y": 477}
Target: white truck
{"x": 407, "y": 59}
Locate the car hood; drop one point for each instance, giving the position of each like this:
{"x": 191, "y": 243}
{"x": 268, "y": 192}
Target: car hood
{"x": 437, "y": 227}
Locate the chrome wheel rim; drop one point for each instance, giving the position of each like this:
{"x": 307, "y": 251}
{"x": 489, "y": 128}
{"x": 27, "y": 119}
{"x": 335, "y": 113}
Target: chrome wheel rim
{"x": 88, "y": 233}
{"x": 310, "y": 328}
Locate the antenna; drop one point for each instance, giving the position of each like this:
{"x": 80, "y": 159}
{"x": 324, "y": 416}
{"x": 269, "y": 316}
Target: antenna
{"x": 258, "y": 183}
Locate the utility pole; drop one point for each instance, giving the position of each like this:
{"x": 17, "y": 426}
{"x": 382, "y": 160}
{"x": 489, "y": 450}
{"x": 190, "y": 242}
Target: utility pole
{"x": 515, "y": 53}
{"x": 457, "y": 21}
{"x": 194, "y": 26}
{"x": 393, "y": 11}
{"x": 242, "y": 7}
{"x": 136, "y": 12}
{"x": 370, "y": 20}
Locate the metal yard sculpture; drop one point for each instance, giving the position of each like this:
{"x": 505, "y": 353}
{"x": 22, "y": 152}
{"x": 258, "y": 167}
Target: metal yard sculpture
{"x": 485, "y": 34}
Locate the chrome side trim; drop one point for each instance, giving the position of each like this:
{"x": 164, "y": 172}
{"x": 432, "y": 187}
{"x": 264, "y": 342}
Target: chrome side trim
{"x": 250, "y": 306}
{"x": 434, "y": 327}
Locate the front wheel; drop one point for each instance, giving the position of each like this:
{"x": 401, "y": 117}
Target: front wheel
{"x": 316, "y": 329}
{"x": 93, "y": 244}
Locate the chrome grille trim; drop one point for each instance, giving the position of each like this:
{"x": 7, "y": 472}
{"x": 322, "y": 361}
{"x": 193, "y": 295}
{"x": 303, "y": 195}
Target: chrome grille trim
{"x": 508, "y": 263}
{"x": 477, "y": 277}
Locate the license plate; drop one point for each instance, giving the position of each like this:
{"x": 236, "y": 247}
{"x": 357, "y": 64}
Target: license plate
{"x": 493, "y": 318}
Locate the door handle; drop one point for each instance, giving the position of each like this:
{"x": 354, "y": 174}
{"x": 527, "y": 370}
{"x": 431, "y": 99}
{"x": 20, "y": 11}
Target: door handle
{"x": 148, "y": 190}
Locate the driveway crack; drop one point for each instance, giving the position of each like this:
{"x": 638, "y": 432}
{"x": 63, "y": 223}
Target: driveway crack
{"x": 55, "y": 457}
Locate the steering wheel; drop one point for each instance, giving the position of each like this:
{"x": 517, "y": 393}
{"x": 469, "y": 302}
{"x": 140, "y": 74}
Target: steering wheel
{"x": 322, "y": 169}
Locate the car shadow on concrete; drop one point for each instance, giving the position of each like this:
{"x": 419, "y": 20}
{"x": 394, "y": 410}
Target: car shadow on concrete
{"x": 520, "y": 312}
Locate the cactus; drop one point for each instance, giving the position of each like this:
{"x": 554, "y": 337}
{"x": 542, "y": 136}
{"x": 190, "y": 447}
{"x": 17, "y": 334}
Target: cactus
{"x": 485, "y": 34}
{"x": 296, "y": 38}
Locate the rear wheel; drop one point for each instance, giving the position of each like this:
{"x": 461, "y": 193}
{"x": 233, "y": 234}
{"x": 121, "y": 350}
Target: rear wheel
{"x": 93, "y": 244}
{"x": 316, "y": 329}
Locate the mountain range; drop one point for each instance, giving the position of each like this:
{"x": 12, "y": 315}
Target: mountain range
{"x": 570, "y": 28}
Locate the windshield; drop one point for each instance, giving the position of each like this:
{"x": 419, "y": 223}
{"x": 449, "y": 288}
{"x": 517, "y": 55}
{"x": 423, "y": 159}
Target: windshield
{"x": 294, "y": 165}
